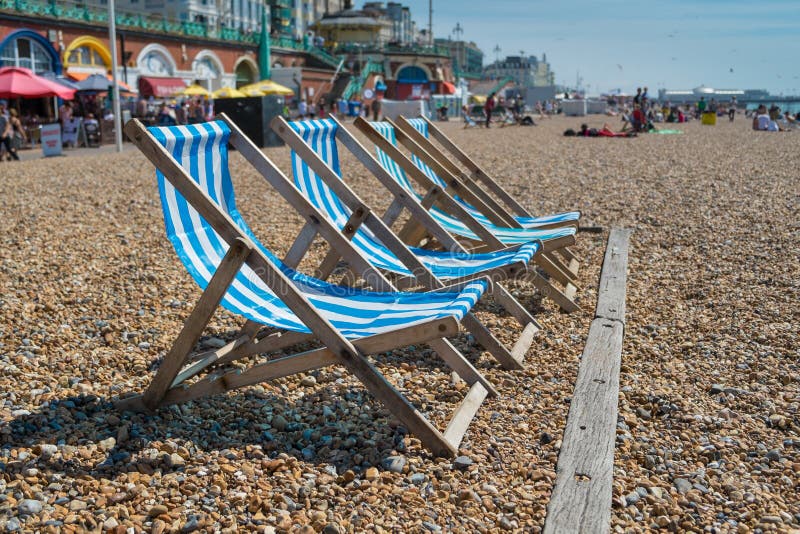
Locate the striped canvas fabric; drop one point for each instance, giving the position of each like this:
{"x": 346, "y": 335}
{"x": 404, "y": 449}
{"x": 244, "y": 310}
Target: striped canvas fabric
{"x": 320, "y": 135}
{"x": 526, "y": 222}
{"x": 507, "y": 236}
{"x": 202, "y": 151}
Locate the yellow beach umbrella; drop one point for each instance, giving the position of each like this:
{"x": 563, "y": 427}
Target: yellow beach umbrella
{"x": 268, "y": 87}
{"x": 251, "y": 91}
{"x": 195, "y": 90}
{"x": 228, "y": 92}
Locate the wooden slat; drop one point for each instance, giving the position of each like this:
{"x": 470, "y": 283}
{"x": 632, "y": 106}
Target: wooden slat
{"x": 193, "y": 327}
{"x": 301, "y": 245}
{"x": 581, "y": 499}
{"x": 475, "y": 187}
{"x": 333, "y": 256}
{"x": 465, "y": 413}
{"x": 611, "y": 292}
{"x": 555, "y": 260}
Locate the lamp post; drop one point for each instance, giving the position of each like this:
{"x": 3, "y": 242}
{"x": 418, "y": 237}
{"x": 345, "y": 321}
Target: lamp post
{"x": 112, "y": 38}
{"x": 458, "y": 31}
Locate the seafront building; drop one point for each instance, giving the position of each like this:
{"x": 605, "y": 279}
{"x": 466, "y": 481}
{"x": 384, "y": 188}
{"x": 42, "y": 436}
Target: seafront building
{"x": 319, "y": 48}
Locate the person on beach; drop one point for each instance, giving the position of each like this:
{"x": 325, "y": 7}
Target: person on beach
{"x": 701, "y": 106}
{"x": 488, "y": 108}
{"x": 6, "y": 133}
{"x": 732, "y": 109}
{"x": 375, "y": 108}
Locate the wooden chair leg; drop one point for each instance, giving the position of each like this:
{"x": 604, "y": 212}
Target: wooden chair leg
{"x": 513, "y": 306}
{"x": 489, "y": 342}
{"x": 465, "y": 413}
{"x": 396, "y": 402}
{"x": 555, "y": 260}
{"x": 460, "y": 364}
{"x": 553, "y": 270}
{"x": 196, "y": 323}
{"x": 550, "y": 291}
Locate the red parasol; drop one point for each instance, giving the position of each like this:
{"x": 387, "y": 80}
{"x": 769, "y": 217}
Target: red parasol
{"x": 16, "y": 82}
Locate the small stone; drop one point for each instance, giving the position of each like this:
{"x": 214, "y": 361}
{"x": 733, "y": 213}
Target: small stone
{"x": 107, "y": 444}
{"x": 190, "y": 526}
{"x": 308, "y": 381}
{"x": 176, "y": 460}
{"x": 214, "y": 343}
{"x": 643, "y": 414}
{"x": 395, "y": 464}
{"x": 468, "y": 495}
{"x": 371, "y": 473}
{"x": 462, "y": 462}
{"x": 632, "y": 498}
{"x": 77, "y": 505}
{"x": 110, "y": 524}
{"x": 773, "y": 456}
{"x": 716, "y": 389}
{"x": 279, "y": 422}
{"x": 13, "y": 524}
{"x": 158, "y": 527}
{"x": 46, "y": 451}
{"x": 545, "y": 438}
{"x": 682, "y": 485}
{"x": 331, "y": 528}
{"x": 157, "y": 510}
{"x": 29, "y": 507}
{"x": 505, "y": 523}
{"x": 417, "y": 479}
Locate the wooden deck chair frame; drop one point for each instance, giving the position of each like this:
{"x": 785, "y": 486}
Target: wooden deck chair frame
{"x": 477, "y": 174}
{"x": 417, "y": 229}
{"x": 170, "y": 384}
{"x": 428, "y": 153}
{"x": 363, "y": 215}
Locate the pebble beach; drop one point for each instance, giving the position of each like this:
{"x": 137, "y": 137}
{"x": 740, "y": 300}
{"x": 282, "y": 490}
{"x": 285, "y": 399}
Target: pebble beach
{"x": 708, "y": 439}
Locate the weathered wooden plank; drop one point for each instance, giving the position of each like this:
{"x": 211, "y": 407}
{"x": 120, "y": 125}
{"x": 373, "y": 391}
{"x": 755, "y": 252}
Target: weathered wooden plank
{"x": 611, "y": 292}
{"x": 581, "y": 500}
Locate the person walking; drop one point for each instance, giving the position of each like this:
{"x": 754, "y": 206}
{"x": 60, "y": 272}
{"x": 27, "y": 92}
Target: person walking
{"x": 488, "y": 108}
{"x": 732, "y": 109}
{"x": 375, "y": 108}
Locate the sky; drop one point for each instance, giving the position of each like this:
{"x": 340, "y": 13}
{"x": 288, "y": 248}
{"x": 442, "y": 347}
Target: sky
{"x": 615, "y": 44}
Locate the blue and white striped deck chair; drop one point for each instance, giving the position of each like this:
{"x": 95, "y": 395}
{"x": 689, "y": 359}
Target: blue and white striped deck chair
{"x": 459, "y": 222}
{"x": 525, "y": 221}
{"x": 317, "y": 174}
{"x": 447, "y": 266}
{"x": 235, "y": 270}
{"x": 506, "y": 235}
